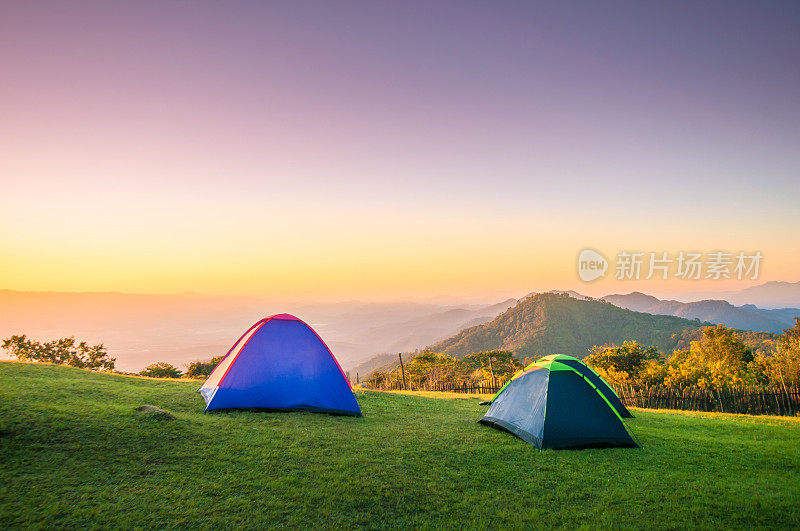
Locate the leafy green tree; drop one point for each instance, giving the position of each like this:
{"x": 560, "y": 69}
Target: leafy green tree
{"x": 718, "y": 360}
{"x": 623, "y": 364}
{"x": 494, "y": 364}
{"x": 761, "y": 343}
{"x": 202, "y": 369}
{"x": 162, "y": 369}
{"x": 377, "y": 380}
{"x": 430, "y": 368}
{"x": 784, "y": 367}
{"x": 64, "y": 351}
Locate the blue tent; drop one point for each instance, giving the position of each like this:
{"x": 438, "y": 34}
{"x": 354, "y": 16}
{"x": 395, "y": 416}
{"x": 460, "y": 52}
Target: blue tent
{"x": 280, "y": 363}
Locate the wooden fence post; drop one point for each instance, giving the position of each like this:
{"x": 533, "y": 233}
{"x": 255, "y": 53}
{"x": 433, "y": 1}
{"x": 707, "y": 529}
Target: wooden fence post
{"x": 402, "y": 370}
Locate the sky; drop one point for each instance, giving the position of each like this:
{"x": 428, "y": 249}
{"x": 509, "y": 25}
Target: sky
{"x": 377, "y": 150}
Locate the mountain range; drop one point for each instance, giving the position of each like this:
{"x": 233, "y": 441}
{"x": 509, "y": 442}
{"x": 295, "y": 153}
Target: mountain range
{"x": 772, "y": 294}
{"x": 567, "y": 321}
{"x": 142, "y": 329}
{"x": 746, "y": 317}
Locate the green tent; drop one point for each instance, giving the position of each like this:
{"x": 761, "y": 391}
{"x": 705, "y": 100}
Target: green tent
{"x": 595, "y": 379}
{"x": 551, "y": 404}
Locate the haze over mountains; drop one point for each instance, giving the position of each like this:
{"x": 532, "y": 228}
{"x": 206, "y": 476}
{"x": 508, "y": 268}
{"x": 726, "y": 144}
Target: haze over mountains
{"x": 141, "y": 329}
{"x": 773, "y": 294}
{"x": 747, "y": 317}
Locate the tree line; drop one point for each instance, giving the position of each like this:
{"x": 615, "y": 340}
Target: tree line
{"x": 70, "y": 352}
{"x": 428, "y": 369}
{"x": 713, "y": 357}
{"x": 717, "y": 358}
{"x": 64, "y": 351}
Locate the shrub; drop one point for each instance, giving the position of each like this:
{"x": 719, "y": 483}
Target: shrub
{"x": 202, "y": 369}
{"x": 162, "y": 369}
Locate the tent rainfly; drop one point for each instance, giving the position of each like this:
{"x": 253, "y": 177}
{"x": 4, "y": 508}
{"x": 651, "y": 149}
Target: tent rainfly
{"x": 280, "y": 363}
{"x": 594, "y": 378}
{"x": 552, "y": 404}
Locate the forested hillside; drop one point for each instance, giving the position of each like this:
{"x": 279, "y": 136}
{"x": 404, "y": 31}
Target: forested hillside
{"x": 550, "y": 323}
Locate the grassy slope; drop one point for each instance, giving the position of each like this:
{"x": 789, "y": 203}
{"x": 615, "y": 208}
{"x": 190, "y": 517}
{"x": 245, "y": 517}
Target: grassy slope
{"x": 74, "y": 453}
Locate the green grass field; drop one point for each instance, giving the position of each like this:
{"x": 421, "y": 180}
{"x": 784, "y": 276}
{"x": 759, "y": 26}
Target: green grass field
{"x": 74, "y": 453}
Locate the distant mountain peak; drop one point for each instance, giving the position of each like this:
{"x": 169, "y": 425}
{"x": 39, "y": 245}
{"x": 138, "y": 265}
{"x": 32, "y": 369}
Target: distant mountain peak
{"x": 772, "y": 294}
{"x": 747, "y": 317}
{"x": 552, "y": 323}
{"x": 637, "y": 295}
{"x": 570, "y": 293}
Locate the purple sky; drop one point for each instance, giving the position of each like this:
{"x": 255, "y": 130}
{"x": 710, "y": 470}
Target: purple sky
{"x": 678, "y": 123}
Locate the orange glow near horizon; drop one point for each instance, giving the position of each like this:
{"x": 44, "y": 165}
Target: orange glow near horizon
{"x": 365, "y": 255}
